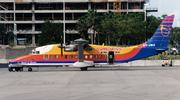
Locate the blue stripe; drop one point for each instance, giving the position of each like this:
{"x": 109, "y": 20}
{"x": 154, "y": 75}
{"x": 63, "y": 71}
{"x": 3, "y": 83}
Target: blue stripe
{"x": 166, "y": 23}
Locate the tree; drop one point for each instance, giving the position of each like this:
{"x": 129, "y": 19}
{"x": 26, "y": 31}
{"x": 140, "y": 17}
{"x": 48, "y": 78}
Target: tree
{"x": 50, "y": 33}
{"x": 10, "y": 38}
{"x": 100, "y": 29}
{"x": 92, "y": 20}
{"x": 2, "y": 33}
{"x": 175, "y": 36}
{"x": 152, "y": 24}
{"x": 82, "y": 27}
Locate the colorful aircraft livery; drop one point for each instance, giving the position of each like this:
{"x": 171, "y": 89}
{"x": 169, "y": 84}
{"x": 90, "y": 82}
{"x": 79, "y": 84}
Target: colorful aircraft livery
{"x": 96, "y": 54}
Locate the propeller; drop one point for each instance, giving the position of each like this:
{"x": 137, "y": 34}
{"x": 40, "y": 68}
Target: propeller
{"x": 61, "y": 46}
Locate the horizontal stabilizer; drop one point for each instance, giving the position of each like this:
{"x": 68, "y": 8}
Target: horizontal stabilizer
{"x": 160, "y": 50}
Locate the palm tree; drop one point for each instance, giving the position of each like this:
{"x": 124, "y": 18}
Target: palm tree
{"x": 82, "y": 27}
{"x": 107, "y": 16}
{"x": 50, "y": 33}
{"x": 92, "y": 20}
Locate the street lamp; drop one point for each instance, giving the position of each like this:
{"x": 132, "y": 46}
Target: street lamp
{"x": 145, "y": 16}
{"x": 145, "y": 10}
{"x": 64, "y": 21}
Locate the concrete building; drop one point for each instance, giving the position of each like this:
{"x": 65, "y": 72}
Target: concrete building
{"x": 24, "y": 17}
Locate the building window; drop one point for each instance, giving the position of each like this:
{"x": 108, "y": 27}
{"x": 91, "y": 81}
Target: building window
{"x": 51, "y": 56}
{"x": 66, "y": 56}
{"x": 96, "y": 56}
{"x": 71, "y": 56}
{"x": 86, "y": 56}
{"x": 76, "y": 56}
{"x": 46, "y": 57}
{"x": 90, "y": 56}
{"x": 56, "y": 56}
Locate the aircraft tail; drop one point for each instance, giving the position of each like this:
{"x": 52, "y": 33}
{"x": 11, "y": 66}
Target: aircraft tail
{"x": 162, "y": 34}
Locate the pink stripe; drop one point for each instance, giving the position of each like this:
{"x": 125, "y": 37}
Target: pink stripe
{"x": 169, "y": 18}
{"x": 167, "y": 22}
{"x": 30, "y": 60}
{"x": 158, "y": 40}
{"x": 129, "y": 56}
{"x": 45, "y": 60}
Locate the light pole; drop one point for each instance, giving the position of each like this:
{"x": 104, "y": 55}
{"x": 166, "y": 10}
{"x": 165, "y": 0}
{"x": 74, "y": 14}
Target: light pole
{"x": 145, "y": 10}
{"x": 145, "y": 16}
{"x": 64, "y": 21}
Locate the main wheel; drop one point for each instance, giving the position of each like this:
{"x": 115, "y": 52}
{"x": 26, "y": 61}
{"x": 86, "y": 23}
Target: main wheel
{"x": 21, "y": 69}
{"x": 13, "y": 69}
{"x": 84, "y": 68}
{"x": 29, "y": 69}
{"x": 174, "y": 52}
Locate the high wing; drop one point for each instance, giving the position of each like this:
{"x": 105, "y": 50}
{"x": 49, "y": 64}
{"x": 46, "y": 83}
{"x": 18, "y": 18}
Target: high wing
{"x": 83, "y": 55}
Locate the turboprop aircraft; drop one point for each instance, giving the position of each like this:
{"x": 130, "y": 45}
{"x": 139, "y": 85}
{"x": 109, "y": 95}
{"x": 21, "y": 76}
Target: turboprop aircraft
{"x": 82, "y": 55}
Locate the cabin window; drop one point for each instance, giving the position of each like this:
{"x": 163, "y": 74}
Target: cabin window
{"x": 90, "y": 56}
{"x": 96, "y": 56}
{"x": 100, "y": 56}
{"x": 105, "y": 56}
{"x": 76, "y": 56}
{"x": 66, "y": 56}
{"x": 86, "y": 56}
{"x": 51, "y": 57}
{"x": 56, "y": 56}
{"x": 46, "y": 56}
{"x": 71, "y": 56}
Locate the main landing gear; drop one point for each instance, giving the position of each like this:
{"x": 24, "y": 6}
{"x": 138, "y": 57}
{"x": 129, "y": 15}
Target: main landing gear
{"x": 13, "y": 69}
{"x": 84, "y": 68}
{"x": 30, "y": 69}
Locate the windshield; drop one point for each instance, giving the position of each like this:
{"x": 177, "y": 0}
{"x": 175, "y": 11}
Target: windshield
{"x": 34, "y": 52}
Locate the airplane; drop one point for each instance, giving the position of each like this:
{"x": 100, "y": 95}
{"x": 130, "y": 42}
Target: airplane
{"x": 82, "y": 55}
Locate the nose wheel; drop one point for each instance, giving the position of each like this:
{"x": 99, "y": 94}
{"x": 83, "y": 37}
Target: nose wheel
{"x": 16, "y": 69}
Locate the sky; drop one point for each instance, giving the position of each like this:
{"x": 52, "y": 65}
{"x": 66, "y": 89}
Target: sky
{"x": 168, "y": 7}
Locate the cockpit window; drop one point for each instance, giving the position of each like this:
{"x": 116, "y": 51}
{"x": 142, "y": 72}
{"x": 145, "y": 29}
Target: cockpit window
{"x": 34, "y": 52}
{"x": 37, "y": 52}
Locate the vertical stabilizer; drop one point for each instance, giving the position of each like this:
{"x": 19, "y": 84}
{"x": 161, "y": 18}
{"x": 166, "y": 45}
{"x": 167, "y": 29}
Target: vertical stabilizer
{"x": 162, "y": 34}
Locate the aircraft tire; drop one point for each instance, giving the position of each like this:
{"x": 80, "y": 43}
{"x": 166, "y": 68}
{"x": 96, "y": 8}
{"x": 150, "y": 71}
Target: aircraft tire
{"x": 13, "y": 69}
{"x": 174, "y": 52}
{"x": 30, "y": 69}
{"x": 17, "y": 69}
{"x": 84, "y": 68}
{"x": 21, "y": 69}
{"x": 10, "y": 70}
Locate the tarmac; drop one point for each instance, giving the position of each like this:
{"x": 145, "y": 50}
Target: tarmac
{"x": 102, "y": 83}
